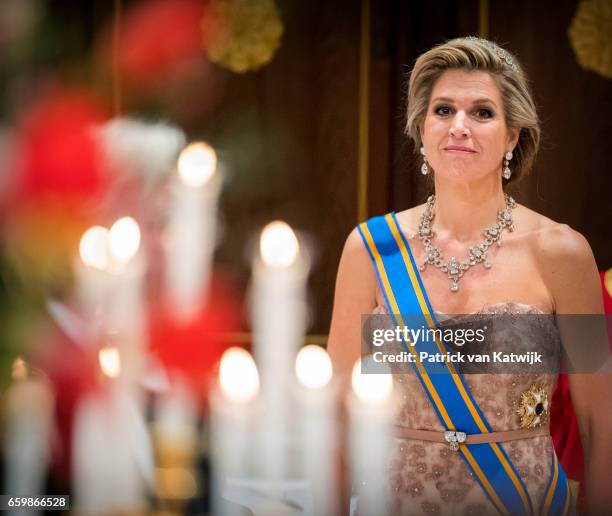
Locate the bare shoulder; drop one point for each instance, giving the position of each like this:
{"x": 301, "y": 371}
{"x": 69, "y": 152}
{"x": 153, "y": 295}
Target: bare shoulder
{"x": 567, "y": 265}
{"x": 355, "y": 261}
{"x": 354, "y": 248}
{"x": 556, "y": 243}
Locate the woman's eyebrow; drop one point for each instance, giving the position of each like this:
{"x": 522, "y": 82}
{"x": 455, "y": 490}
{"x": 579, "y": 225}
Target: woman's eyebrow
{"x": 477, "y": 101}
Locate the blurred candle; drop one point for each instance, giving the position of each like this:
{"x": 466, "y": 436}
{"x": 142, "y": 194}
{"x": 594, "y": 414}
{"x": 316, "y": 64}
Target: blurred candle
{"x": 28, "y": 431}
{"x": 278, "y": 315}
{"x": 370, "y": 411}
{"x": 110, "y": 363}
{"x": 232, "y": 404}
{"x": 112, "y": 454}
{"x": 111, "y": 448}
{"x": 318, "y": 426}
{"x": 123, "y": 241}
{"x": 93, "y": 248}
{"x": 191, "y": 230}
{"x": 125, "y": 309}
{"x": 91, "y": 273}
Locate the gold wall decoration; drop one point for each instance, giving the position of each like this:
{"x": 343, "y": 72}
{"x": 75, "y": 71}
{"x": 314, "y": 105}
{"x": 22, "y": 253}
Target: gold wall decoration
{"x": 591, "y": 37}
{"x": 242, "y": 35}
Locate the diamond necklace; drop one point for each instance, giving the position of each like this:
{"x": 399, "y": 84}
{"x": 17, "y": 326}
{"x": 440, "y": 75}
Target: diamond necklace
{"x": 476, "y": 253}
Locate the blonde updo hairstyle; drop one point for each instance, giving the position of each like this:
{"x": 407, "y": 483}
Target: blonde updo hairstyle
{"x": 476, "y": 54}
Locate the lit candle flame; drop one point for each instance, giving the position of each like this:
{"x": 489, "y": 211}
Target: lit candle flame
{"x": 93, "y": 248}
{"x": 20, "y": 369}
{"x": 372, "y": 387}
{"x": 197, "y": 163}
{"x": 110, "y": 362}
{"x": 278, "y": 244}
{"x": 313, "y": 367}
{"x": 238, "y": 375}
{"x": 124, "y": 239}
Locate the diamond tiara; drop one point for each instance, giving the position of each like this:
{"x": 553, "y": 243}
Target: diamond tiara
{"x": 504, "y": 55}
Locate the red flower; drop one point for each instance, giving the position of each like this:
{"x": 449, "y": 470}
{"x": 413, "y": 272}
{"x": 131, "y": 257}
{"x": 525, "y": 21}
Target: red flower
{"x": 195, "y": 348}
{"x": 156, "y": 38}
{"x": 55, "y": 179}
{"x": 59, "y": 155}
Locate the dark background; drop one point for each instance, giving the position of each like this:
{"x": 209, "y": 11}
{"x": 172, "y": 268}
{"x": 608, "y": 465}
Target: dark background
{"x": 289, "y": 134}
{"x": 308, "y": 98}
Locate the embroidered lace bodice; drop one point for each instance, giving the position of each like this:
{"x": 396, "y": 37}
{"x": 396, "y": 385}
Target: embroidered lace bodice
{"x": 429, "y": 478}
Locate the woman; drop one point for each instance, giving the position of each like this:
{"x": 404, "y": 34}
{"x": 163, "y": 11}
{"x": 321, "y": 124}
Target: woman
{"x": 471, "y": 115}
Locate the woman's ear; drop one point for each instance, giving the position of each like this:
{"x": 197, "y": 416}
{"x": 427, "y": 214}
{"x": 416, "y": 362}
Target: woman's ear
{"x": 421, "y": 136}
{"x": 513, "y": 136}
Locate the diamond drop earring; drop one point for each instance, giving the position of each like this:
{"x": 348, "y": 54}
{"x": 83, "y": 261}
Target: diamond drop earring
{"x": 424, "y": 167}
{"x": 507, "y": 173}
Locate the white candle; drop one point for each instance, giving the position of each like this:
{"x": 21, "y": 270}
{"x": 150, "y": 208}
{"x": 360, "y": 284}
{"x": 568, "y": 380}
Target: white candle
{"x": 90, "y": 270}
{"x": 371, "y": 410}
{"x": 110, "y": 286}
{"x": 110, "y": 362}
{"x": 318, "y": 431}
{"x": 112, "y": 455}
{"x": 279, "y": 309}
{"x": 125, "y": 309}
{"x": 28, "y": 431}
{"x": 191, "y": 230}
{"x": 232, "y": 405}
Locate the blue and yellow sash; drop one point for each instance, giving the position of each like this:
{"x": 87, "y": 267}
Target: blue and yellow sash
{"x": 404, "y": 293}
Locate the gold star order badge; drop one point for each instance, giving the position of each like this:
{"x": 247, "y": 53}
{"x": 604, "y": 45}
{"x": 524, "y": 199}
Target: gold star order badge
{"x": 533, "y": 408}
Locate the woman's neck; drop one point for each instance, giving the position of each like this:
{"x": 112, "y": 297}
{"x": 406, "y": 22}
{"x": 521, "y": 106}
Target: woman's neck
{"x": 463, "y": 211}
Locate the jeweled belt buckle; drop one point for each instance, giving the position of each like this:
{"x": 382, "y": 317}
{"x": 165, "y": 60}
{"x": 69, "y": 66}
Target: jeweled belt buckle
{"x": 454, "y": 439}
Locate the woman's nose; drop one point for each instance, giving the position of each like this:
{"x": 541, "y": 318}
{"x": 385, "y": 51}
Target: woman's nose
{"x": 458, "y": 127}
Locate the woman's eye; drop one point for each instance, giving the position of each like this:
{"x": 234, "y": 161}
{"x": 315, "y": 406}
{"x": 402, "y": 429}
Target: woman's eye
{"x": 484, "y": 113}
{"x": 442, "y": 110}
{"x": 447, "y": 110}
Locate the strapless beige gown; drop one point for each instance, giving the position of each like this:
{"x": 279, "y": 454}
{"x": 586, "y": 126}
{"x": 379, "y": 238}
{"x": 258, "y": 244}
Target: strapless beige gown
{"x": 429, "y": 478}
